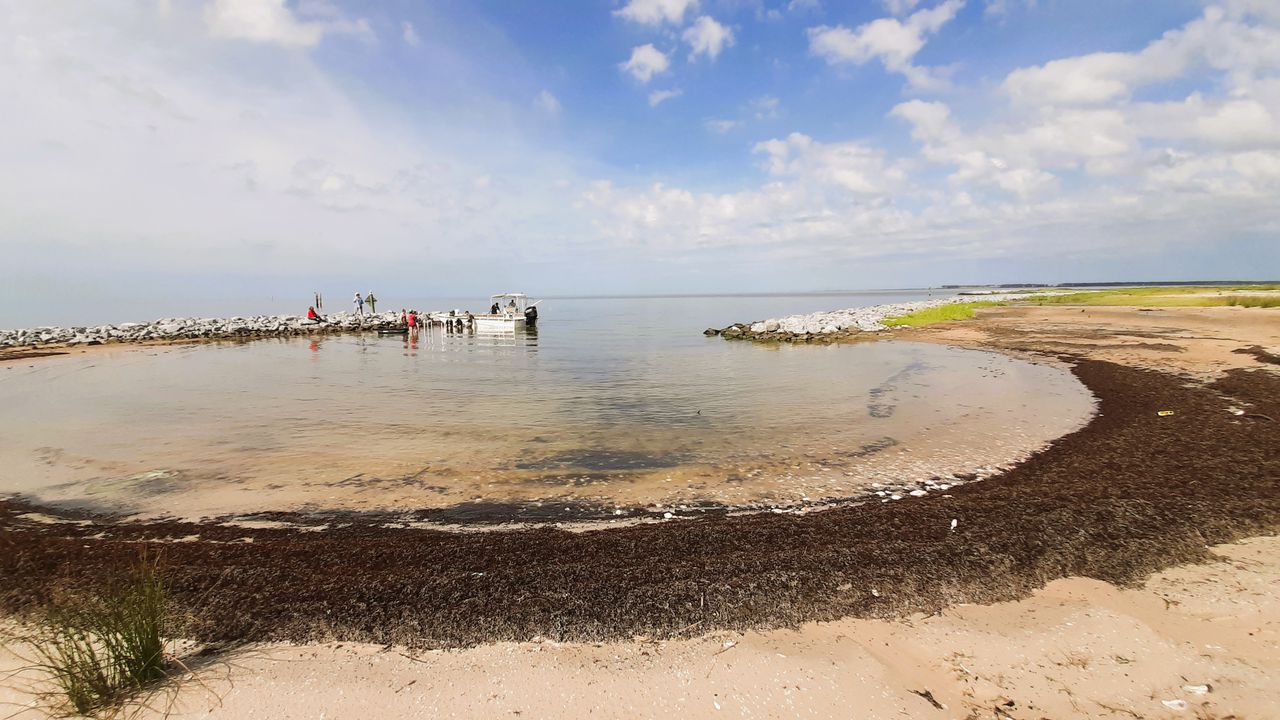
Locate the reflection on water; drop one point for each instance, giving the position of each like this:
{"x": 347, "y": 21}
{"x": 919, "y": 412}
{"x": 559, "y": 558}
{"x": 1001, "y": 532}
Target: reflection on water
{"x": 586, "y": 409}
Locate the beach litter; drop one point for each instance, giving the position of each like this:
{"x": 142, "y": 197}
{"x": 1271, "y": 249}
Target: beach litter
{"x": 1164, "y": 413}
{"x": 1197, "y": 689}
{"x": 928, "y": 695}
{"x": 1175, "y": 704}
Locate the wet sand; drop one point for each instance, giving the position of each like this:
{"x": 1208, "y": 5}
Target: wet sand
{"x": 1128, "y": 495}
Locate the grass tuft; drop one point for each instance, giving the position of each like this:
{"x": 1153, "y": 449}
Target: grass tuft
{"x": 941, "y": 313}
{"x": 99, "y": 652}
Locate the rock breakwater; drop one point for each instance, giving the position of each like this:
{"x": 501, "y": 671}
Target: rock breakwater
{"x": 166, "y": 329}
{"x": 835, "y": 324}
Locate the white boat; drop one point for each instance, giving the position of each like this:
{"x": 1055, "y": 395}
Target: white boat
{"x": 515, "y": 312}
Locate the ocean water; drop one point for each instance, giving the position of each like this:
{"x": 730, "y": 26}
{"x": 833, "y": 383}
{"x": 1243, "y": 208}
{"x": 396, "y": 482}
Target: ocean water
{"x": 610, "y": 402}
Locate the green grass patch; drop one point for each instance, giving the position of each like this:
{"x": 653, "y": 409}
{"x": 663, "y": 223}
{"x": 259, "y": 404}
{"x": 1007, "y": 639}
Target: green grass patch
{"x": 1163, "y": 297}
{"x": 101, "y": 651}
{"x": 941, "y": 313}
{"x": 1253, "y": 301}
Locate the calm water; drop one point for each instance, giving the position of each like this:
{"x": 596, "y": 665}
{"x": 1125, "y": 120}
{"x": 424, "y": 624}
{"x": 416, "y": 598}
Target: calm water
{"x": 611, "y": 401}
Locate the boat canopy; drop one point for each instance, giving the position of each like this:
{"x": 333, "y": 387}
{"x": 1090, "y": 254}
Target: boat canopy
{"x": 520, "y": 300}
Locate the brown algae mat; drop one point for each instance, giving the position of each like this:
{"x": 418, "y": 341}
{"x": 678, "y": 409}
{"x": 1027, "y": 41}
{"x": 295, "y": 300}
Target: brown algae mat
{"x": 1130, "y": 493}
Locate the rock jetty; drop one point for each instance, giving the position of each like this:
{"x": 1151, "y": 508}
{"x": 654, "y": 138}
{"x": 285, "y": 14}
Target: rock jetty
{"x": 827, "y": 326}
{"x": 167, "y": 329}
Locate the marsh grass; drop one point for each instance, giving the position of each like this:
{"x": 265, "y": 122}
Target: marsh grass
{"x": 1253, "y": 301}
{"x": 100, "y": 652}
{"x": 1164, "y": 297}
{"x": 941, "y": 313}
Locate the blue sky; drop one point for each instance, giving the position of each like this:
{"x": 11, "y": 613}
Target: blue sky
{"x": 205, "y": 148}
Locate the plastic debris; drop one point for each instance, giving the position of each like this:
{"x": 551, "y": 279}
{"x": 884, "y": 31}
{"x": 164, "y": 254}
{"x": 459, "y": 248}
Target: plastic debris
{"x": 954, "y": 523}
{"x": 1235, "y": 411}
{"x": 1164, "y": 413}
{"x": 1196, "y": 689}
{"x": 1174, "y": 704}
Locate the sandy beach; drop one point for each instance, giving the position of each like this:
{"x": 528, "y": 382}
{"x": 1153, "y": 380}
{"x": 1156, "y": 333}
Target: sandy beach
{"x": 1110, "y": 575}
{"x": 640, "y": 359}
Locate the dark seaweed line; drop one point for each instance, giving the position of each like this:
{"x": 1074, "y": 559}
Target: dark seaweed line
{"x": 1127, "y": 495}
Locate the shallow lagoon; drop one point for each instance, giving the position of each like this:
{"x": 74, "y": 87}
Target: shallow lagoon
{"x": 616, "y": 403}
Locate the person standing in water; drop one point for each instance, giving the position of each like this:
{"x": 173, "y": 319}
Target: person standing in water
{"x": 373, "y": 303}
{"x": 359, "y": 303}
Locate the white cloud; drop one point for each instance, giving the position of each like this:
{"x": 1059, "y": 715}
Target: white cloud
{"x": 765, "y": 107}
{"x": 804, "y": 6}
{"x": 721, "y": 126}
{"x": 410, "y": 34}
{"x": 656, "y": 12}
{"x": 891, "y": 41}
{"x": 900, "y": 7}
{"x": 1000, "y": 8}
{"x": 273, "y": 22}
{"x": 1219, "y": 39}
{"x": 266, "y": 21}
{"x": 547, "y": 103}
{"x": 707, "y": 37}
{"x": 1230, "y": 124}
{"x": 930, "y": 121}
{"x": 1020, "y": 158}
{"x": 855, "y": 167}
{"x": 658, "y": 97}
{"x": 645, "y": 62}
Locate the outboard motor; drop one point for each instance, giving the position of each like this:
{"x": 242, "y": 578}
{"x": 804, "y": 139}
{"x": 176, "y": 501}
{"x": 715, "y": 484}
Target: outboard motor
{"x": 531, "y": 316}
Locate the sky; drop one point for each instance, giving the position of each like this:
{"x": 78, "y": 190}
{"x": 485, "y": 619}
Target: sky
{"x": 195, "y": 150}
